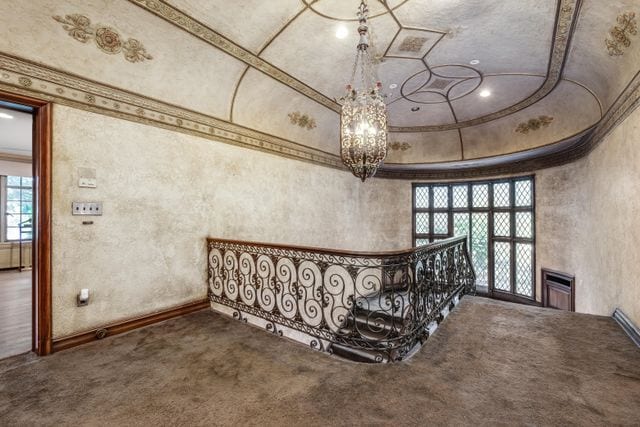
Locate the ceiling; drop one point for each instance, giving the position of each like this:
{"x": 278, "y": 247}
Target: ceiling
{"x": 15, "y": 132}
{"x": 277, "y": 67}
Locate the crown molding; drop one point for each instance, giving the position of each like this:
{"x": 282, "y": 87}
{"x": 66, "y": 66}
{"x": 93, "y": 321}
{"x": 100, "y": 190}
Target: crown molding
{"x": 556, "y": 154}
{"x": 8, "y": 157}
{"x": 24, "y": 77}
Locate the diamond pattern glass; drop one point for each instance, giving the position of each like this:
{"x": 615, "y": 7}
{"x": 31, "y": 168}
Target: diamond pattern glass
{"x": 460, "y": 224}
{"x": 480, "y": 194}
{"x": 440, "y": 223}
{"x": 524, "y": 262}
{"x": 479, "y": 247}
{"x": 502, "y": 265}
{"x": 421, "y": 242}
{"x": 524, "y": 190}
{"x": 501, "y": 224}
{"x": 440, "y": 197}
{"x": 501, "y": 195}
{"x": 422, "y": 197}
{"x": 460, "y": 199}
{"x": 524, "y": 225}
{"x": 422, "y": 223}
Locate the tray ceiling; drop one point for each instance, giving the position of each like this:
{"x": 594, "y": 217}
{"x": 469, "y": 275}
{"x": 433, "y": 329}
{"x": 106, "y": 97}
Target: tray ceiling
{"x": 277, "y": 67}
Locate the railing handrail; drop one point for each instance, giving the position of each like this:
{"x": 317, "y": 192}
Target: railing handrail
{"x": 340, "y": 252}
{"x": 380, "y": 302}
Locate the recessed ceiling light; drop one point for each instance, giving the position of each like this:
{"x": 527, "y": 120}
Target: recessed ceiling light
{"x": 393, "y": 86}
{"x": 5, "y": 116}
{"x": 342, "y": 32}
{"x": 414, "y": 109}
{"x": 474, "y": 62}
{"x": 485, "y": 93}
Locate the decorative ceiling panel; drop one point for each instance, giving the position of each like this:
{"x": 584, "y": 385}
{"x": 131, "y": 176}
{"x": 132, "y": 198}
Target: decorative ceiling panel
{"x": 464, "y": 79}
{"x": 250, "y": 23}
{"x": 590, "y": 62}
{"x": 541, "y": 124}
{"x": 504, "y": 90}
{"x": 309, "y": 50}
{"x": 38, "y": 36}
{"x": 271, "y": 107}
{"x": 421, "y": 147}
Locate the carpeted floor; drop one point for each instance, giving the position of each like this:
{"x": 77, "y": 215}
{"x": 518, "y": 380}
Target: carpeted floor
{"x": 490, "y": 363}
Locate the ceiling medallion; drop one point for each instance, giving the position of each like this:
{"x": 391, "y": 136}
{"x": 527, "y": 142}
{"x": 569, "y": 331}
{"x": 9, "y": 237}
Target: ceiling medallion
{"x": 363, "y": 118}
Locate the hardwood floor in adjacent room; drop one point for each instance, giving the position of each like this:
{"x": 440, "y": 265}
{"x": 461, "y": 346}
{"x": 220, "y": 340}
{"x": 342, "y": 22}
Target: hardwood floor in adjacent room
{"x": 15, "y": 312}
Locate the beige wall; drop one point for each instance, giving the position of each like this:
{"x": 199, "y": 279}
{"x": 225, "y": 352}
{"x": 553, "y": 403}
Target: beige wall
{"x": 164, "y": 192}
{"x": 588, "y": 217}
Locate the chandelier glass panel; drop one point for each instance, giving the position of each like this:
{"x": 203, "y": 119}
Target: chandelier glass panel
{"x": 363, "y": 120}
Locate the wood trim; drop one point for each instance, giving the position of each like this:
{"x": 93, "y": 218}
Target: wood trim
{"x": 571, "y": 287}
{"x": 41, "y": 273}
{"x": 16, "y": 158}
{"x": 627, "y": 325}
{"x": 336, "y": 252}
{"x": 69, "y": 341}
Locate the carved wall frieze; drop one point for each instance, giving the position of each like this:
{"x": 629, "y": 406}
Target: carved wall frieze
{"x": 302, "y": 120}
{"x": 106, "y": 38}
{"x": 567, "y": 17}
{"x": 28, "y": 78}
{"x": 534, "y": 124}
{"x": 197, "y": 29}
{"x": 621, "y": 34}
{"x": 399, "y": 146}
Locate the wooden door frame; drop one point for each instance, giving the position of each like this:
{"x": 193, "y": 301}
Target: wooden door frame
{"x": 41, "y": 244}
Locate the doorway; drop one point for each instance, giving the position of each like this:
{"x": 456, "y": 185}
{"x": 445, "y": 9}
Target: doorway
{"x": 16, "y": 229}
{"x": 25, "y": 225}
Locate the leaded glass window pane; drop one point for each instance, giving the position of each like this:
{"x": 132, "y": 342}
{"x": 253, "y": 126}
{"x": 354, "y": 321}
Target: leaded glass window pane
{"x": 421, "y": 242}
{"x": 501, "y": 195}
{"x": 480, "y": 193}
{"x": 479, "y": 247}
{"x": 460, "y": 196}
{"x": 524, "y": 193}
{"x": 524, "y": 269}
{"x": 524, "y": 225}
{"x": 440, "y": 223}
{"x": 501, "y": 224}
{"x": 422, "y": 197}
{"x": 440, "y": 197}
{"x": 422, "y": 223}
{"x": 502, "y": 265}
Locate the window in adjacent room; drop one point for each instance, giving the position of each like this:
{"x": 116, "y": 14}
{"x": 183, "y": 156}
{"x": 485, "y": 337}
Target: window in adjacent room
{"x": 18, "y": 207}
{"x": 499, "y": 218}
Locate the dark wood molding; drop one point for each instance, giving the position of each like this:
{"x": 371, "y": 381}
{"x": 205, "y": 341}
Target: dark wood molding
{"x": 627, "y": 325}
{"x": 41, "y": 273}
{"x": 504, "y": 296}
{"x": 558, "y": 283}
{"x": 17, "y": 158}
{"x": 69, "y": 341}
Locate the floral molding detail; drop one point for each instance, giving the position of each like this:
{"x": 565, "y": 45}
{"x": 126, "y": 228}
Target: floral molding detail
{"x": 302, "y": 120}
{"x": 28, "y": 78}
{"x": 534, "y": 124}
{"x": 107, "y": 39}
{"x": 402, "y": 146}
{"x": 620, "y": 34}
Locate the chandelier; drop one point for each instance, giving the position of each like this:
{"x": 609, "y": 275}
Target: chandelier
{"x": 363, "y": 119}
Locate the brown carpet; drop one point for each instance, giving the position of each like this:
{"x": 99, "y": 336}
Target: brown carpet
{"x": 491, "y": 363}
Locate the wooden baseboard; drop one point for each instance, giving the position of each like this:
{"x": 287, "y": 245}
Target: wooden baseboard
{"x": 627, "y": 325}
{"x": 69, "y": 341}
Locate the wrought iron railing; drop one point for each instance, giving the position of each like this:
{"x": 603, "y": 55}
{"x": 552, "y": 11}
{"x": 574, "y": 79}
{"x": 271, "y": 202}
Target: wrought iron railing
{"x": 375, "y": 307}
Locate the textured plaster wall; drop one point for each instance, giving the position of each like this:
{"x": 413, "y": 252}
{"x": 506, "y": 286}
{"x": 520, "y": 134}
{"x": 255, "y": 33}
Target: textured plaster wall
{"x": 588, "y": 217}
{"x": 164, "y": 192}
